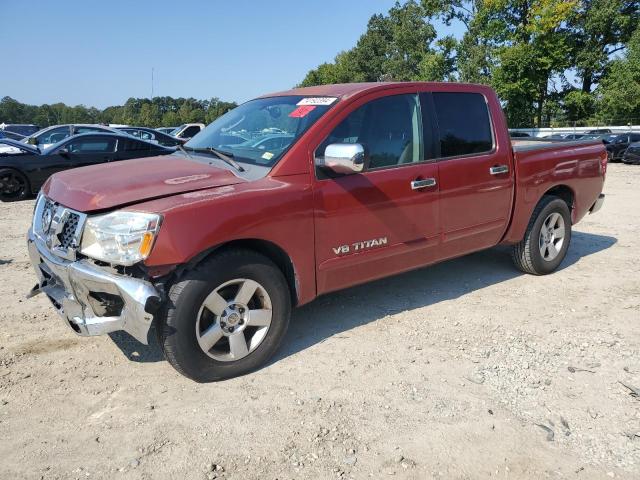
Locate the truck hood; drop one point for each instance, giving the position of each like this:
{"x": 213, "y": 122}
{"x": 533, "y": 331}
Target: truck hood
{"x": 110, "y": 185}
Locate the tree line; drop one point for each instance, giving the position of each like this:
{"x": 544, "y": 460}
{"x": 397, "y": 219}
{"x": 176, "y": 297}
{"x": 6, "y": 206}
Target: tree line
{"x": 552, "y": 62}
{"x": 156, "y": 112}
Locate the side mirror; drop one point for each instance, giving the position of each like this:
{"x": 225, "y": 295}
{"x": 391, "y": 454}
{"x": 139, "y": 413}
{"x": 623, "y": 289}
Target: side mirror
{"x": 32, "y": 141}
{"x": 63, "y": 152}
{"x": 345, "y": 158}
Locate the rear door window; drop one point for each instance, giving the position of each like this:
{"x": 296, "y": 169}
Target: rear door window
{"x": 463, "y": 123}
{"x": 91, "y": 145}
{"x": 130, "y": 145}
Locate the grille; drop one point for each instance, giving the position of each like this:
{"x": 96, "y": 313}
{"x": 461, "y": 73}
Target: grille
{"x": 57, "y": 226}
{"x": 67, "y": 236}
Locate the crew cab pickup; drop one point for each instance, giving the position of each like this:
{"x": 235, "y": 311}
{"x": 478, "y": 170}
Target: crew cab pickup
{"x": 217, "y": 242}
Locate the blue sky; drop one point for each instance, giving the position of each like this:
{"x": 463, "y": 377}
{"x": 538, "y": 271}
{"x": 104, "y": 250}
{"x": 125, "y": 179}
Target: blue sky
{"x": 101, "y": 53}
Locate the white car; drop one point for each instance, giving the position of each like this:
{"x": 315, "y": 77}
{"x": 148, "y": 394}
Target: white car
{"x": 187, "y": 130}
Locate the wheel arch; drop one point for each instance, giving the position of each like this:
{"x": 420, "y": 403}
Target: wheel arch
{"x": 565, "y": 193}
{"x": 272, "y": 251}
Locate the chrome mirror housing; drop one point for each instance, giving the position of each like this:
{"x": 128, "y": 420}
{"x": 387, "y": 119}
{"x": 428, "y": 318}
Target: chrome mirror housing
{"x": 345, "y": 158}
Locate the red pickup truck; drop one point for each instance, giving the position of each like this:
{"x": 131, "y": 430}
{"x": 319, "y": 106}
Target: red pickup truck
{"x": 293, "y": 195}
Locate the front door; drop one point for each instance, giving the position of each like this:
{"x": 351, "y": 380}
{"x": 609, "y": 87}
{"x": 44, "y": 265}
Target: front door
{"x": 90, "y": 150}
{"x": 385, "y": 220}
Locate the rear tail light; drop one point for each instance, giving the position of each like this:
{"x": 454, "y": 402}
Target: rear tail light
{"x": 604, "y": 157}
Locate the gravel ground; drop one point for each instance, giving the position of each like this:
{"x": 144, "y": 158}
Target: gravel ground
{"x": 464, "y": 370}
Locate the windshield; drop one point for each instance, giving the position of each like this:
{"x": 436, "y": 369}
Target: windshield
{"x": 262, "y": 130}
{"x": 176, "y": 130}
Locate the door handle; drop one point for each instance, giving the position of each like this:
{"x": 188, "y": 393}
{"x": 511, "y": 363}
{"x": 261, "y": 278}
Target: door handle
{"x": 427, "y": 182}
{"x": 498, "y": 169}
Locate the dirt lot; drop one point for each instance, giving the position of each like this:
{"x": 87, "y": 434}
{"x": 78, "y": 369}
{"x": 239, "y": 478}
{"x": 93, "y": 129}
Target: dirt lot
{"x": 464, "y": 370}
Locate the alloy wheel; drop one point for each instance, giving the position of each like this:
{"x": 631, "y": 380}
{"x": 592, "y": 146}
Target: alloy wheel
{"x": 234, "y": 319}
{"x": 552, "y": 234}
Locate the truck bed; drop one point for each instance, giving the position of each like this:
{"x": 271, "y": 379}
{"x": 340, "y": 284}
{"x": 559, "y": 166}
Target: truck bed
{"x": 526, "y": 144}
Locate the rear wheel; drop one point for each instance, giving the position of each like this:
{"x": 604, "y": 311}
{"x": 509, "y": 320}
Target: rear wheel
{"x": 547, "y": 238}
{"x": 227, "y": 317}
{"x": 13, "y": 185}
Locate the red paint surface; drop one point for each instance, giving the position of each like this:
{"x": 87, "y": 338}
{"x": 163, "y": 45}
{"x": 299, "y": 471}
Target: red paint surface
{"x": 307, "y": 218}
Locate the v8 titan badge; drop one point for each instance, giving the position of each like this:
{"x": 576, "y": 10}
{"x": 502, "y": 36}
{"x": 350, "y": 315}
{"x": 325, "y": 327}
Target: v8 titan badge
{"x": 360, "y": 246}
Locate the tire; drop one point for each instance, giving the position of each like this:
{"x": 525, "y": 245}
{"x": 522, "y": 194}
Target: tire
{"x": 14, "y": 185}
{"x": 190, "y": 321}
{"x": 528, "y": 254}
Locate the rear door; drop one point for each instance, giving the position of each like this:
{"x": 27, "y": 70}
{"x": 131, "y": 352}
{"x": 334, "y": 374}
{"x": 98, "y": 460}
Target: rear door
{"x": 476, "y": 178}
{"x": 385, "y": 220}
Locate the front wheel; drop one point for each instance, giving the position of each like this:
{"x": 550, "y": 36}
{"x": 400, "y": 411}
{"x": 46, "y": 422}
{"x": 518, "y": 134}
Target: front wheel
{"x": 13, "y": 185}
{"x": 547, "y": 238}
{"x": 227, "y": 317}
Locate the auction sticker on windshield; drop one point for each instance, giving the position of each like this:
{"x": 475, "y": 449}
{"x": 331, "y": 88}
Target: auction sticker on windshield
{"x": 302, "y": 111}
{"x": 317, "y": 101}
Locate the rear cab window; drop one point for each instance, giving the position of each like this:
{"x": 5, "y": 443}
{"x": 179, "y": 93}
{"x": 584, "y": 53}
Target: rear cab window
{"x": 463, "y": 124}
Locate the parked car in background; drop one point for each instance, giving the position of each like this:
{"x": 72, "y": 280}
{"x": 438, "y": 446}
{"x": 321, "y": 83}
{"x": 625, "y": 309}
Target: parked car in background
{"x": 573, "y": 136}
{"x": 599, "y": 130}
{"x": 152, "y": 135}
{"x": 216, "y": 245}
{"x": 603, "y": 137}
{"x": 17, "y": 131}
{"x": 518, "y": 134}
{"x": 187, "y": 130}
{"x": 11, "y": 135}
{"x": 22, "y": 174}
{"x": 618, "y": 145}
{"x": 632, "y": 154}
{"x": 166, "y": 130}
{"x": 48, "y": 136}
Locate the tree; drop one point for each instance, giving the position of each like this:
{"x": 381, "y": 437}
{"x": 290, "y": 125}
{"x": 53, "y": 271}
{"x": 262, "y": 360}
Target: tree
{"x": 159, "y": 111}
{"x": 400, "y": 45}
{"x": 619, "y": 91}
{"x": 599, "y": 28}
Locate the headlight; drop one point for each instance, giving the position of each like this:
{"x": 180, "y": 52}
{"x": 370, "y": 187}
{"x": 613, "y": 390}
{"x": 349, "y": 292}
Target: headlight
{"x": 123, "y": 238}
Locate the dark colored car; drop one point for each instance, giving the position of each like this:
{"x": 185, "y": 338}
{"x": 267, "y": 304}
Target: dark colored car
{"x": 153, "y": 136}
{"x": 599, "y": 130}
{"x": 632, "y": 154}
{"x": 11, "y": 135}
{"x": 22, "y": 129}
{"x": 48, "y": 136}
{"x": 618, "y": 145}
{"x": 518, "y": 134}
{"x": 22, "y": 174}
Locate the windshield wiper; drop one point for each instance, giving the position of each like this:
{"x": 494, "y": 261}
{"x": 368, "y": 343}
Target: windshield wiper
{"x": 224, "y": 156}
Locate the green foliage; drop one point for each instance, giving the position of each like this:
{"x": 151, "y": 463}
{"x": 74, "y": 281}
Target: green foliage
{"x": 160, "y": 111}
{"x": 543, "y": 57}
{"x": 400, "y": 45}
{"x": 619, "y": 91}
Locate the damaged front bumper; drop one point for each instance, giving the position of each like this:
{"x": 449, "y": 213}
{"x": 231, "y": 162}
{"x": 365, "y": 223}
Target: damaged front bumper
{"x": 90, "y": 299}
